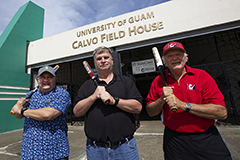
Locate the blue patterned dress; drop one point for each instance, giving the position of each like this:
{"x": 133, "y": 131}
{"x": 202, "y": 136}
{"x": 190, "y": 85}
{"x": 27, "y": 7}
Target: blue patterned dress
{"x": 47, "y": 139}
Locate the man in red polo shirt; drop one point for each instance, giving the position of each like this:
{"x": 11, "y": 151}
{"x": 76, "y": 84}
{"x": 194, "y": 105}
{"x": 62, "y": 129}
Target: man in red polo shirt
{"x": 189, "y": 132}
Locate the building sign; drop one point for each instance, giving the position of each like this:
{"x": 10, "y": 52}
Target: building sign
{"x": 121, "y": 32}
{"x": 145, "y": 66}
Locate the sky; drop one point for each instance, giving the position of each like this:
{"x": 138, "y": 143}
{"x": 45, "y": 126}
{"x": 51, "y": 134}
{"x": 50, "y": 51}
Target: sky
{"x": 64, "y": 15}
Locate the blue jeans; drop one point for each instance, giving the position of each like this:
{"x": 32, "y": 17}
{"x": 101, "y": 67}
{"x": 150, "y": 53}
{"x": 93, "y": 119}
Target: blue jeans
{"x": 126, "y": 151}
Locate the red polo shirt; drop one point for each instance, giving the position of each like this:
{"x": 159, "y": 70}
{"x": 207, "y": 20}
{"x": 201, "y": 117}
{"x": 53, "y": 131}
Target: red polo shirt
{"x": 196, "y": 86}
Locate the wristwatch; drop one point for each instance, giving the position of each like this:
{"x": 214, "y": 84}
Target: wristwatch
{"x": 188, "y": 105}
{"x": 116, "y": 101}
{"x": 23, "y": 110}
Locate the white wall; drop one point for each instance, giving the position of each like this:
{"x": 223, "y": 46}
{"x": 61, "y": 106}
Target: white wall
{"x": 172, "y": 17}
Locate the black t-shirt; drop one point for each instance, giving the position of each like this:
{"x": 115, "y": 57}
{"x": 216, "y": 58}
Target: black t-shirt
{"x": 107, "y": 122}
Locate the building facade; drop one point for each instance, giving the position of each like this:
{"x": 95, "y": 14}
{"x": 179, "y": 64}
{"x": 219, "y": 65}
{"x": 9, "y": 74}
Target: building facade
{"x": 209, "y": 31}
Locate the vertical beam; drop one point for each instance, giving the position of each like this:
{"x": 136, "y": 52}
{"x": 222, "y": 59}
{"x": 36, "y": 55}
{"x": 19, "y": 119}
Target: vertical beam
{"x": 116, "y": 62}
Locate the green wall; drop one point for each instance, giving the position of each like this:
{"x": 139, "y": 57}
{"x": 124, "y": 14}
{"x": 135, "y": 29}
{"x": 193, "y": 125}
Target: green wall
{"x": 25, "y": 26}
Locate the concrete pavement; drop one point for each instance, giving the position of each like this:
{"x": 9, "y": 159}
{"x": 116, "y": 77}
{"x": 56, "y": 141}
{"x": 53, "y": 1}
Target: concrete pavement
{"x": 148, "y": 136}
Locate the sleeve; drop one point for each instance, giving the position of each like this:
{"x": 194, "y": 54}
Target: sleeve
{"x": 211, "y": 92}
{"x": 132, "y": 91}
{"x": 85, "y": 91}
{"x": 62, "y": 101}
{"x": 155, "y": 91}
{"x": 28, "y": 94}
{"x": 31, "y": 92}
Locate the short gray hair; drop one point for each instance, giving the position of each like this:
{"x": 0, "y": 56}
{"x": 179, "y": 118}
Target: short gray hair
{"x": 101, "y": 49}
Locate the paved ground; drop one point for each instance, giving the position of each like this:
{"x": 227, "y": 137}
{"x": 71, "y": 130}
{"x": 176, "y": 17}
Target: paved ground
{"x": 148, "y": 137}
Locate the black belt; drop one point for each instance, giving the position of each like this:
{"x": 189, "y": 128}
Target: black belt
{"x": 109, "y": 144}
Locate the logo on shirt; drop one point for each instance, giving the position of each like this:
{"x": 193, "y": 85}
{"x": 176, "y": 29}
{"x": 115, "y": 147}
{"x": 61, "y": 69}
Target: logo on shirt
{"x": 46, "y": 103}
{"x": 190, "y": 86}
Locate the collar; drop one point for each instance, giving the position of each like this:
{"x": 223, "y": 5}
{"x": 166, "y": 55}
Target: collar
{"x": 189, "y": 70}
{"x": 115, "y": 78}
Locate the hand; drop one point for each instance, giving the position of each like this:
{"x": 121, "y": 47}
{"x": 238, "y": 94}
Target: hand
{"x": 171, "y": 100}
{"x": 167, "y": 91}
{"x": 107, "y": 98}
{"x": 22, "y": 102}
{"x": 99, "y": 91}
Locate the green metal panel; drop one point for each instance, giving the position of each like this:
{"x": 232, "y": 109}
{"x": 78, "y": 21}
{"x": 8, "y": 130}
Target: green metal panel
{"x": 9, "y": 122}
{"x": 25, "y": 26}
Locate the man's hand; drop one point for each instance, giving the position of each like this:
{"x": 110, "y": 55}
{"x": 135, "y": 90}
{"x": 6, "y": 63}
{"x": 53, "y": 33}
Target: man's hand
{"x": 172, "y": 101}
{"x": 167, "y": 91}
{"x": 170, "y": 98}
{"x": 101, "y": 93}
{"x": 22, "y": 102}
{"x": 107, "y": 97}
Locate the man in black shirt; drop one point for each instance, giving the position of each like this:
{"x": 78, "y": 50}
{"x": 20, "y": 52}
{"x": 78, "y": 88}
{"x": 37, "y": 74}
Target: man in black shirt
{"x": 109, "y": 128}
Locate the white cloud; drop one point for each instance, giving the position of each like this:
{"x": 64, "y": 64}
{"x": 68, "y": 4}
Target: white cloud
{"x": 64, "y": 15}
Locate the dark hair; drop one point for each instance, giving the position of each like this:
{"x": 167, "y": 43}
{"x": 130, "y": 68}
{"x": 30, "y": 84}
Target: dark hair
{"x": 100, "y": 50}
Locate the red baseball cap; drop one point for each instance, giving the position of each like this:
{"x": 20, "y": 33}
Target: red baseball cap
{"x": 173, "y": 45}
